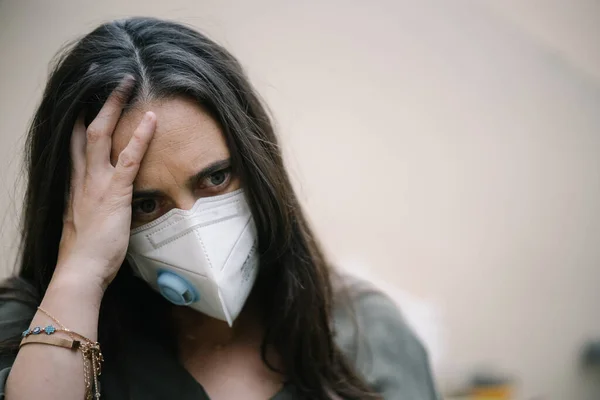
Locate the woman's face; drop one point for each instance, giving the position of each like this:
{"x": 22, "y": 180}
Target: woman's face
{"x": 187, "y": 158}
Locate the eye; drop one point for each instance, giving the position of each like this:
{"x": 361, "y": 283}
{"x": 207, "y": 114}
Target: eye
{"x": 216, "y": 180}
{"x": 147, "y": 206}
{"x": 145, "y": 210}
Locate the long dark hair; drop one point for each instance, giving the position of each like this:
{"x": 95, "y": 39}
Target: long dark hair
{"x": 169, "y": 59}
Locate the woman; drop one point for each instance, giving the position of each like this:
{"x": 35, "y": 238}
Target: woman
{"x": 154, "y": 170}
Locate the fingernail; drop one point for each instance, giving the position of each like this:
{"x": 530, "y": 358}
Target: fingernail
{"x": 148, "y": 116}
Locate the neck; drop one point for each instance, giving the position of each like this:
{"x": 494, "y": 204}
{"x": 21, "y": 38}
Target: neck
{"x": 213, "y": 353}
{"x": 201, "y": 331}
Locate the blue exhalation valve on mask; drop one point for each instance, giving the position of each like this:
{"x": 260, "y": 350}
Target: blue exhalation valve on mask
{"x": 176, "y": 288}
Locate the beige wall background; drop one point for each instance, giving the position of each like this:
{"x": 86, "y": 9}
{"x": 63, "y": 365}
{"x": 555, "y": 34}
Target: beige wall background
{"x": 449, "y": 149}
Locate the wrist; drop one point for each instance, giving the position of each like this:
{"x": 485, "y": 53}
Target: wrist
{"x": 77, "y": 283}
{"x": 83, "y": 273}
{"x": 74, "y": 299}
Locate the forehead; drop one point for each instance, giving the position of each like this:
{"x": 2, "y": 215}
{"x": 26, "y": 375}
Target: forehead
{"x": 186, "y": 138}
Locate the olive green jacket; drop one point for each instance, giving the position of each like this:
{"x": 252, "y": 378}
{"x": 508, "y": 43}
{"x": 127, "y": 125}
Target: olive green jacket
{"x": 389, "y": 355}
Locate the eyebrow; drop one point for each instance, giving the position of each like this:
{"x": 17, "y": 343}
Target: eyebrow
{"x": 191, "y": 182}
{"x": 207, "y": 171}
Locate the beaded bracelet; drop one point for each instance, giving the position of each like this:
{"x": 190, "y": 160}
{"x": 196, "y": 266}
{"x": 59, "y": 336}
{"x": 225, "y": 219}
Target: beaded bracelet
{"x": 48, "y": 330}
{"x": 90, "y": 350}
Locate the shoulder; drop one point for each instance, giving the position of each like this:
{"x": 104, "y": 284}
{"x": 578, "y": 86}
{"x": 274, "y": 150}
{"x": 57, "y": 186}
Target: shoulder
{"x": 17, "y": 307}
{"x": 371, "y": 330}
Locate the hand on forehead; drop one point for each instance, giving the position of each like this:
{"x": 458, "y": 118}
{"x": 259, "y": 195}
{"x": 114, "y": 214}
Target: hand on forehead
{"x": 186, "y": 139}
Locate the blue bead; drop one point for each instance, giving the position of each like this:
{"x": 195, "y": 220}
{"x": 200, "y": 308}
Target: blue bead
{"x": 36, "y": 330}
{"x": 49, "y": 330}
{"x": 26, "y": 332}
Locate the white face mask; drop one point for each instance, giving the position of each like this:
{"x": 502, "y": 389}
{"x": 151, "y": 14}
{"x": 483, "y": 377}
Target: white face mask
{"x": 204, "y": 257}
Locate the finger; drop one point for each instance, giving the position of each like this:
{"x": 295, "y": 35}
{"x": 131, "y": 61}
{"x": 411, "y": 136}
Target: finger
{"x": 77, "y": 150}
{"x": 68, "y": 212}
{"x": 131, "y": 157}
{"x": 100, "y": 131}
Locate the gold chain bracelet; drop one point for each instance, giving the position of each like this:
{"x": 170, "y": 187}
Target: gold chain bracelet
{"x": 92, "y": 357}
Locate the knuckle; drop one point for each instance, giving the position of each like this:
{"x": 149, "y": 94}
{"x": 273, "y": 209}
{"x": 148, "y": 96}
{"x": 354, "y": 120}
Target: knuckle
{"x": 127, "y": 159}
{"x": 93, "y": 134}
{"x": 121, "y": 93}
{"x": 138, "y": 140}
{"x": 119, "y": 96}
